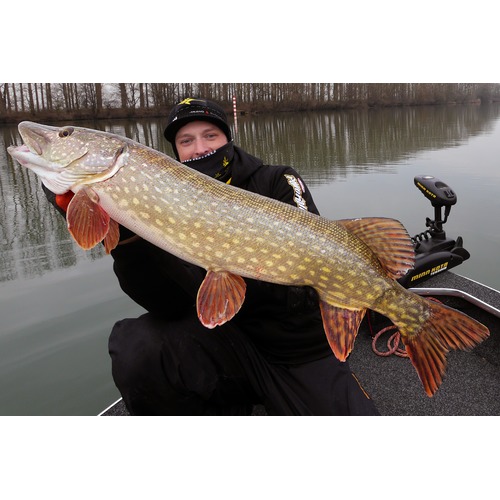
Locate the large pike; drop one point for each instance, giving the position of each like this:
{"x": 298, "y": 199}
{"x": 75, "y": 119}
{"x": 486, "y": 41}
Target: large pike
{"x": 233, "y": 234}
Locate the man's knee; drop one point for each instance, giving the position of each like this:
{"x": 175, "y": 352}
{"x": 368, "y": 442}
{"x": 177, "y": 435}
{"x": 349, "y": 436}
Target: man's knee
{"x": 132, "y": 349}
{"x": 148, "y": 351}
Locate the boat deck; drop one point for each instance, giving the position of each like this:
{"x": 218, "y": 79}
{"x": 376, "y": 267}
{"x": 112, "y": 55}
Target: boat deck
{"x": 471, "y": 385}
{"x": 472, "y": 381}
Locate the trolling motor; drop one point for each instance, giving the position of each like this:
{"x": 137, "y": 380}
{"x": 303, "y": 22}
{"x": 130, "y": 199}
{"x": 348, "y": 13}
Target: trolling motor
{"x": 434, "y": 252}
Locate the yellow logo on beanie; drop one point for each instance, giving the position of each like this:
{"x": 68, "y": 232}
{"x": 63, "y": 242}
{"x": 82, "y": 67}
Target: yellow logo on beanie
{"x": 188, "y": 100}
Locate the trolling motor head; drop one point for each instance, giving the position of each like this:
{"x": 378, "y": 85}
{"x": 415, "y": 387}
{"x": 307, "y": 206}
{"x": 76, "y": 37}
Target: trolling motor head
{"x": 434, "y": 252}
{"x": 441, "y": 195}
{"x": 438, "y": 192}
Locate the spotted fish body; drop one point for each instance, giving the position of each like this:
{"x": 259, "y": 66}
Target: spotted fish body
{"x": 233, "y": 234}
{"x": 220, "y": 229}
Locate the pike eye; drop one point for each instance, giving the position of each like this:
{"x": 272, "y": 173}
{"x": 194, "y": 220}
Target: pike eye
{"x": 66, "y": 132}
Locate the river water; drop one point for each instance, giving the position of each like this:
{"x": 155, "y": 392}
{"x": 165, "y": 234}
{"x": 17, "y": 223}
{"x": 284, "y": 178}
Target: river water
{"x": 59, "y": 303}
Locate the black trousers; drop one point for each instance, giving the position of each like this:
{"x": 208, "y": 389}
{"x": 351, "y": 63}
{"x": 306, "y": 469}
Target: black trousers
{"x": 182, "y": 368}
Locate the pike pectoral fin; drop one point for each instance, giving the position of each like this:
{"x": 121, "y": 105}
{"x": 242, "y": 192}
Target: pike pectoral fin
{"x": 87, "y": 222}
{"x": 341, "y": 327}
{"x": 220, "y": 297}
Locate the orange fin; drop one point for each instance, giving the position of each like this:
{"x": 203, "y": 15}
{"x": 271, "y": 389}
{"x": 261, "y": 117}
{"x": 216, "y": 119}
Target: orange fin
{"x": 220, "y": 297}
{"x": 341, "y": 327}
{"x": 87, "y": 222}
{"x": 388, "y": 239}
{"x": 113, "y": 236}
{"x": 445, "y": 329}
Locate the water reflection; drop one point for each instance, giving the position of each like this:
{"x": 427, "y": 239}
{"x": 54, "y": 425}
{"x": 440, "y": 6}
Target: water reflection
{"x": 323, "y": 146}
{"x": 329, "y": 146}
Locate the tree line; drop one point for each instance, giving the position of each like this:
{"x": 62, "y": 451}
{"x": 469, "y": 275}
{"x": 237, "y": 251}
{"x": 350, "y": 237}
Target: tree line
{"x": 108, "y": 100}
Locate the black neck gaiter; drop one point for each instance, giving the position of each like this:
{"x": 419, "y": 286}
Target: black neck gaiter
{"x": 217, "y": 164}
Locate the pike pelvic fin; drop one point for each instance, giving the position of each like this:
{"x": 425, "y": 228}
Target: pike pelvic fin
{"x": 444, "y": 330}
{"x": 388, "y": 239}
{"x": 341, "y": 327}
{"x": 220, "y": 297}
{"x": 88, "y": 223}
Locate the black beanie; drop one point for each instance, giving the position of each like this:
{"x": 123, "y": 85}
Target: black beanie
{"x": 192, "y": 109}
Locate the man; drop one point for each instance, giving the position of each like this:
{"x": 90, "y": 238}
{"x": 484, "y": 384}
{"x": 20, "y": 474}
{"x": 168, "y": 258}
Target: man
{"x": 273, "y": 352}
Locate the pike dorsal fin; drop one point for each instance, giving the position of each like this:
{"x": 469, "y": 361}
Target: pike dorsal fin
{"x": 220, "y": 297}
{"x": 88, "y": 223}
{"x": 388, "y": 239}
{"x": 341, "y": 327}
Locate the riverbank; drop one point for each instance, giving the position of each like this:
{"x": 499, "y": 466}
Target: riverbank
{"x": 108, "y": 113}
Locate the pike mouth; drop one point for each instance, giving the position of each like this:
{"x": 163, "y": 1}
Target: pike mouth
{"x": 13, "y": 150}
{"x": 58, "y": 178}
{"x": 25, "y": 149}
{"x": 25, "y": 155}
{"x": 30, "y": 155}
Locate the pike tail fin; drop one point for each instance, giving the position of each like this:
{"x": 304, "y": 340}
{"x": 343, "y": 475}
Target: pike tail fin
{"x": 444, "y": 330}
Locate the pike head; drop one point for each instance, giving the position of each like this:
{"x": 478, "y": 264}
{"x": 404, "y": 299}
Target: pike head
{"x": 66, "y": 158}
